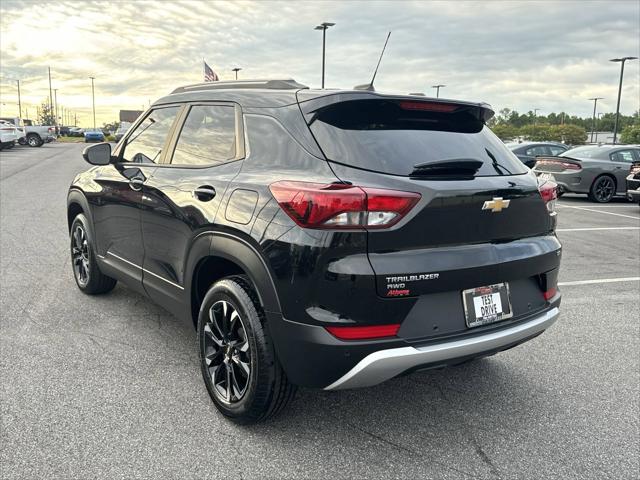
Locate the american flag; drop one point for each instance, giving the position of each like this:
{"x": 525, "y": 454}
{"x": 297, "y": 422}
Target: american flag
{"x": 209, "y": 74}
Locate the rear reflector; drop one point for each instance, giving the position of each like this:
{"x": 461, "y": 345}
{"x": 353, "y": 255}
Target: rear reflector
{"x": 549, "y": 294}
{"x": 429, "y": 106}
{"x": 365, "y": 332}
{"x": 341, "y": 206}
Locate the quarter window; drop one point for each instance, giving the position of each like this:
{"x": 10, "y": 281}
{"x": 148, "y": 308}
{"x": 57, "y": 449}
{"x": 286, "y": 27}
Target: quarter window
{"x": 146, "y": 142}
{"x": 208, "y": 136}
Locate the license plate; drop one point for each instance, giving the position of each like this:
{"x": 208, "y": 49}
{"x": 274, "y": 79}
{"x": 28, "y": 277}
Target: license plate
{"x": 485, "y": 305}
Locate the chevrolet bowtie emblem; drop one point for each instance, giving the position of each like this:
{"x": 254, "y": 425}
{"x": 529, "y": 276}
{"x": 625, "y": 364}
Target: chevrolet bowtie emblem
{"x": 496, "y": 205}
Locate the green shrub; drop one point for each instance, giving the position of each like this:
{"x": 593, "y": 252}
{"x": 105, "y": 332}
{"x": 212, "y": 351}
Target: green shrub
{"x": 631, "y": 134}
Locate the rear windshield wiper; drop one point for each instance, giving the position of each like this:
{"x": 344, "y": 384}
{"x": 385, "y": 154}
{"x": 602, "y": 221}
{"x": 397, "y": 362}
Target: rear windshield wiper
{"x": 453, "y": 167}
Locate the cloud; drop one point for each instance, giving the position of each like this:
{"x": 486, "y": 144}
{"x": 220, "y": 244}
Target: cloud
{"x": 521, "y": 55}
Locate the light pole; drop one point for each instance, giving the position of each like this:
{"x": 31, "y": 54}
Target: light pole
{"x": 437, "y": 87}
{"x": 237, "y": 69}
{"x": 595, "y": 102}
{"x": 621, "y": 60}
{"x": 51, "y": 96}
{"x": 19, "y": 102}
{"x": 93, "y": 99}
{"x": 323, "y": 26}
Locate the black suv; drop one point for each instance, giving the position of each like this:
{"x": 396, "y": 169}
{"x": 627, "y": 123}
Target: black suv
{"x": 329, "y": 239}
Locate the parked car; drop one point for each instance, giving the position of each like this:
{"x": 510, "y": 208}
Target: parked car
{"x": 32, "y": 135}
{"x": 93, "y": 135}
{"x": 364, "y": 237}
{"x": 633, "y": 183}
{"x": 527, "y": 152}
{"x": 599, "y": 171}
{"x": 76, "y": 132}
{"x": 64, "y": 130}
{"x": 122, "y": 130}
{"x": 8, "y": 134}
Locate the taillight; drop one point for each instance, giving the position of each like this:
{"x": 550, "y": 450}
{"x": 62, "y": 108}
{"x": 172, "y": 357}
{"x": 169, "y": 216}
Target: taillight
{"x": 549, "y": 294}
{"x": 549, "y": 193}
{"x": 366, "y": 332}
{"x": 558, "y": 163}
{"x": 340, "y": 206}
{"x": 635, "y": 169}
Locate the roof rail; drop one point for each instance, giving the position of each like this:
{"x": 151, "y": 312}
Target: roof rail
{"x": 286, "y": 84}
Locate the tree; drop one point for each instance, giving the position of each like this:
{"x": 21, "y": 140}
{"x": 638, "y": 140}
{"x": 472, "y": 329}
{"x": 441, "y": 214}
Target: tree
{"x": 46, "y": 116}
{"x": 631, "y": 134}
{"x": 505, "y": 132}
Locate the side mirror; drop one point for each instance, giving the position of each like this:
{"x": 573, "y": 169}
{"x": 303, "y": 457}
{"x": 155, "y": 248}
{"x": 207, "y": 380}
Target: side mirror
{"x": 99, "y": 154}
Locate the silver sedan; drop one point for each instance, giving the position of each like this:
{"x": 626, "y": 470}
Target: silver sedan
{"x": 597, "y": 170}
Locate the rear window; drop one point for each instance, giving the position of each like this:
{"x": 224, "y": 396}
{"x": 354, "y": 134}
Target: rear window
{"x": 396, "y": 137}
{"x": 584, "y": 152}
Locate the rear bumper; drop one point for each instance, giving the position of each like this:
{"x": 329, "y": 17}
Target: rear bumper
{"x": 385, "y": 364}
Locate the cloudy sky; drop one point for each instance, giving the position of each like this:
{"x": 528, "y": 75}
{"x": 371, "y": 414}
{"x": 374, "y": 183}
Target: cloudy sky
{"x": 522, "y": 55}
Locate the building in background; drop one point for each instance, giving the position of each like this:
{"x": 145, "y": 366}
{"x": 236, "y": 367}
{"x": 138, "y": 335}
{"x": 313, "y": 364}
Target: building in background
{"x": 129, "y": 116}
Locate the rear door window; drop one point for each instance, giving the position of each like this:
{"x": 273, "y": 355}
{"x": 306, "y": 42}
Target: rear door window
{"x": 557, "y": 150}
{"x": 397, "y": 137}
{"x": 623, "y": 156}
{"x": 208, "y": 136}
{"x": 538, "y": 150}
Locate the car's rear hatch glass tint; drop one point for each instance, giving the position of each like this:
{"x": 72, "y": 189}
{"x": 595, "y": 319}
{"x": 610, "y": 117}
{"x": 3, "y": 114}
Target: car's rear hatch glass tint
{"x": 411, "y": 138}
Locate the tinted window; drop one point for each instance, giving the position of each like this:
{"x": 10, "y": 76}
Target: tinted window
{"x": 537, "y": 150}
{"x": 146, "y": 142}
{"x": 396, "y": 136}
{"x": 625, "y": 156}
{"x": 207, "y": 137}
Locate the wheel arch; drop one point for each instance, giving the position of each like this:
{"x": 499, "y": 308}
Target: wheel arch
{"x": 77, "y": 203}
{"x": 216, "y": 255}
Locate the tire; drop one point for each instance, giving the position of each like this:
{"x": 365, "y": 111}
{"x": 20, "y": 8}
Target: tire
{"x": 22, "y": 141}
{"x": 233, "y": 337}
{"x": 34, "y": 140}
{"x": 87, "y": 274}
{"x": 602, "y": 189}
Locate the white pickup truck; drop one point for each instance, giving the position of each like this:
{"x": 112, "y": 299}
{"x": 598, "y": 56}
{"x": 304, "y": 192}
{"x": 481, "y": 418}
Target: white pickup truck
{"x": 32, "y": 135}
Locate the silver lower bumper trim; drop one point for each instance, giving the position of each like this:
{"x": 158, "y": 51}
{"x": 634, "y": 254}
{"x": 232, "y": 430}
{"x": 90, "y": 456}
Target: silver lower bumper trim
{"x": 385, "y": 364}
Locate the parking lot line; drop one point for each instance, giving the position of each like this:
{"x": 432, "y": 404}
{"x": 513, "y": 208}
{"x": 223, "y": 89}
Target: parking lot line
{"x": 590, "y": 229}
{"x": 601, "y": 206}
{"x": 600, "y": 211}
{"x": 599, "y": 280}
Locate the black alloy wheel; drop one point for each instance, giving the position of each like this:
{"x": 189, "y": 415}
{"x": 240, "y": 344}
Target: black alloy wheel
{"x": 603, "y": 189}
{"x": 80, "y": 255}
{"x": 226, "y": 352}
{"x": 238, "y": 361}
{"x": 86, "y": 270}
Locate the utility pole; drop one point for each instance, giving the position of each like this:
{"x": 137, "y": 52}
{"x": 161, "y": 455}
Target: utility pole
{"x": 50, "y": 95}
{"x": 55, "y": 98}
{"x": 437, "y": 87}
{"x": 323, "y": 26}
{"x": 93, "y": 99}
{"x": 621, "y": 60}
{"x": 535, "y": 117}
{"x": 19, "y": 102}
{"x": 593, "y": 125}
{"x": 75, "y": 119}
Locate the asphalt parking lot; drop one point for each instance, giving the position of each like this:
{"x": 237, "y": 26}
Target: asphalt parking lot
{"x": 110, "y": 387}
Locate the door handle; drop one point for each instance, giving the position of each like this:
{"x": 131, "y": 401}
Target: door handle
{"x": 205, "y": 193}
{"x": 136, "y": 183}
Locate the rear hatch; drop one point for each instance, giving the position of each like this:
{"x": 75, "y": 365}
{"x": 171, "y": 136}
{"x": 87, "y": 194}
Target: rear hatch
{"x": 479, "y": 207}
